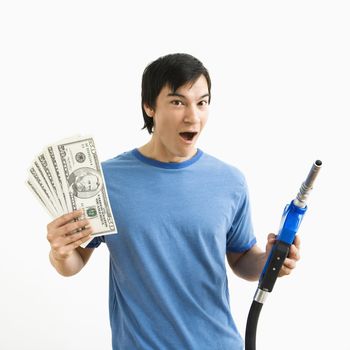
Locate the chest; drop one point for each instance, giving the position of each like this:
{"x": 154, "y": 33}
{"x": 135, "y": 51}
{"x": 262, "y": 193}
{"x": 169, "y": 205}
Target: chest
{"x": 172, "y": 210}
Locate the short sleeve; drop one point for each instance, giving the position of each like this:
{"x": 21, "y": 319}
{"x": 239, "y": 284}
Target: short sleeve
{"x": 240, "y": 237}
{"x": 96, "y": 242}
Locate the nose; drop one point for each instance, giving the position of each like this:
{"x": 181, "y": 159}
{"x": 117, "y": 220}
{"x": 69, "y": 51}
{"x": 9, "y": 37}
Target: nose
{"x": 192, "y": 115}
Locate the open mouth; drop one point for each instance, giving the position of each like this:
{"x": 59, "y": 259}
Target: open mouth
{"x": 188, "y": 136}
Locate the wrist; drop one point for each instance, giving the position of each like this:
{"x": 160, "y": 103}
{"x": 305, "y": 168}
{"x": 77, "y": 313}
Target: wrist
{"x": 55, "y": 257}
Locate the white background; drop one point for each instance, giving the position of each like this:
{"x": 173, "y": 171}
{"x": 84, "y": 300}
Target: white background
{"x": 280, "y": 100}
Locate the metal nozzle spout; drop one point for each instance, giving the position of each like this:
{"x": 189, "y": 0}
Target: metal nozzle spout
{"x": 306, "y": 187}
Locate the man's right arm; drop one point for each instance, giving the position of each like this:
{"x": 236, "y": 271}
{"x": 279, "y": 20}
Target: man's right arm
{"x": 65, "y": 237}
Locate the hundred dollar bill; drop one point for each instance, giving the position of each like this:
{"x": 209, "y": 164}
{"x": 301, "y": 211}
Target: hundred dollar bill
{"x": 49, "y": 153}
{"x": 45, "y": 181}
{"x": 44, "y": 165}
{"x": 48, "y": 161}
{"x": 38, "y": 183}
{"x": 33, "y": 188}
{"x": 82, "y": 181}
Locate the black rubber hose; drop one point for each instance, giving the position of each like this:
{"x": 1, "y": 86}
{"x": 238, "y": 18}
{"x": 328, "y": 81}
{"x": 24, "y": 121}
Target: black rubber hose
{"x": 251, "y": 327}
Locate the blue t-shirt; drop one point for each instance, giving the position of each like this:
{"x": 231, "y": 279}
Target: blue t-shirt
{"x": 176, "y": 221}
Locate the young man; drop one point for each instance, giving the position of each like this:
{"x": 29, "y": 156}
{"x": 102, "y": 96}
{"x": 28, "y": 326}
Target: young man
{"x": 180, "y": 212}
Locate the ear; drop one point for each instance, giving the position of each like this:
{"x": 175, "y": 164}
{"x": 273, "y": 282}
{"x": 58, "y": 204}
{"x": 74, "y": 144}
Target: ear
{"x": 149, "y": 111}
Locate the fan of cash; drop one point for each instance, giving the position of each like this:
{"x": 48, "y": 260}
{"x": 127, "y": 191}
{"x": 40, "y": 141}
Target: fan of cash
{"x": 67, "y": 176}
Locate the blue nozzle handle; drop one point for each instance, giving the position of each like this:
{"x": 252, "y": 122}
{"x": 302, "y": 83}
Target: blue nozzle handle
{"x": 291, "y": 220}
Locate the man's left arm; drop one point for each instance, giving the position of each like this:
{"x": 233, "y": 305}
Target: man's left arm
{"x": 249, "y": 265}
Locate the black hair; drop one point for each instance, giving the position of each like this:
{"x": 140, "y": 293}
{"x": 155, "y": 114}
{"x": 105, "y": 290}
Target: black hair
{"x": 174, "y": 70}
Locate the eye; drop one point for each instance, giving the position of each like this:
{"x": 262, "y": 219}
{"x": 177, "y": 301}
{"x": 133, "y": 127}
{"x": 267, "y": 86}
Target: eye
{"x": 203, "y": 103}
{"x": 177, "y": 102}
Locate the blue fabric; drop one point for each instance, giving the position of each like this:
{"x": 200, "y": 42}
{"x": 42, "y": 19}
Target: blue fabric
{"x": 176, "y": 221}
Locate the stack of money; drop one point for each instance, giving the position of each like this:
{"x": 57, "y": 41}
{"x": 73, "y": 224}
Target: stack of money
{"x": 67, "y": 176}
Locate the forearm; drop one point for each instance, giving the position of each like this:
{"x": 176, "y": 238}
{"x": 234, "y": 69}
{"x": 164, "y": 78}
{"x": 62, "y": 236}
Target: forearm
{"x": 68, "y": 266}
{"x": 250, "y": 264}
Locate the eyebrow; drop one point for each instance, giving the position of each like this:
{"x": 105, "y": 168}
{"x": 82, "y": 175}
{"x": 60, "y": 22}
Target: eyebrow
{"x": 171, "y": 94}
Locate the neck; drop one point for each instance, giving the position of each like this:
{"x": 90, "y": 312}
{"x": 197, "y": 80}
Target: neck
{"x": 156, "y": 151}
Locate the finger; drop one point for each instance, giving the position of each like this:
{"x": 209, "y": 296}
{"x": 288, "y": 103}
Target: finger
{"x": 294, "y": 253}
{"x": 289, "y": 264}
{"x": 72, "y": 227}
{"x": 285, "y": 271}
{"x": 62, "y": 245}
{"x": 64, "y": 219}
{"x": 85, "y": 233}
{"x": 75, "y": 244}
{"x": 55, "y": 234}
{"x": 271, "y": 238}
{"x": 297, "y": 241}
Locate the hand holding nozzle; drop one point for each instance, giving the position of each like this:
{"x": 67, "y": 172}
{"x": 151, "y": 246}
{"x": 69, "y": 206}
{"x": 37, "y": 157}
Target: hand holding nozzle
{"x": 291, "y": 219}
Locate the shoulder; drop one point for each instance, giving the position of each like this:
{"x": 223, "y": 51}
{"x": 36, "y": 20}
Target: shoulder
{"x": 226, "y": 171}
{"x": 120, "y": 166}
{"x": 119, "y": 160}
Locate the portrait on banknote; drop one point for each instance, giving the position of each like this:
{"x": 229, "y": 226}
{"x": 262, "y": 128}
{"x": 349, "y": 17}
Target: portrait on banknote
{"x": 85, "y": 182}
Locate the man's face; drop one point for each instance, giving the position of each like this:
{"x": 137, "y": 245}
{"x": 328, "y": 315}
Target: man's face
{"x": 179, "y": 118}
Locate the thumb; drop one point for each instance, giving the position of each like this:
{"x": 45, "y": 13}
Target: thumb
{"x": 271, "y": 239}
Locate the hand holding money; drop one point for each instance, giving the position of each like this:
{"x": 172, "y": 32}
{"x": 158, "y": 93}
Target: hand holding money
{"x": 65, "y": 234}
{"x": 66, "y": 177}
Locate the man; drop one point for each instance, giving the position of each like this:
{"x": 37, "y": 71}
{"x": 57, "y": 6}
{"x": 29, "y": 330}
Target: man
{"x": 179, "y": 211}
